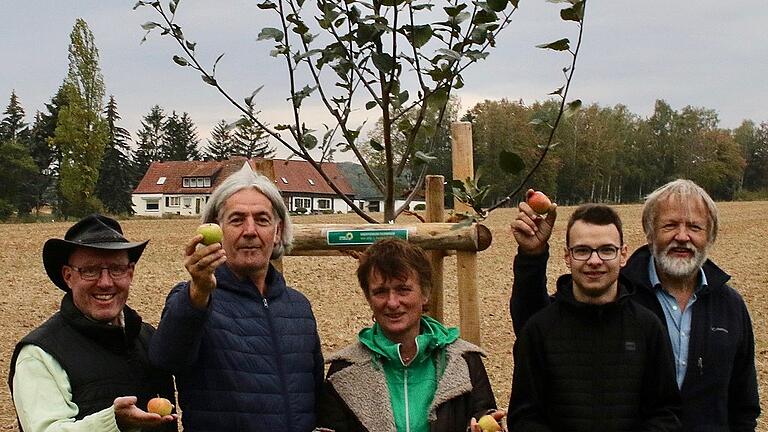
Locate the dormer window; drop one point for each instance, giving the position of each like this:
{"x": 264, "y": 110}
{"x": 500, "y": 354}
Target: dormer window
{"x": 196, "y": 182}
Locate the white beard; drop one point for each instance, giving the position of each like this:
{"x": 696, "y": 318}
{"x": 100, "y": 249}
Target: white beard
{"x": 680, "y": 267}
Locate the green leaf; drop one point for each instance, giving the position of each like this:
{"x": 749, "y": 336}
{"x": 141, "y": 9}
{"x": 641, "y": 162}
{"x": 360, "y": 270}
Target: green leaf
{"x": 453, "y": 11}
{"x": 370, "y": 105}
{"x": 498, "y": 5}
{"x": 421, "y": 35}
{"x": 438, "y": 98}
{"x": 271, "y": 33}
{"x": 383, "y": 62}
{"x": 190, "y": 45}
{"x": 574, "y": 13}
{"x": 181, "y": 61}
{"x": 448, "y": 54}
{"x": 208, "y": 80}
{"x": 515, "y": 3}
{"x": 558, "y": 91}
{"x": 484, "y": 16}
{"x": 510, "y": 162}
{"x": 426, "y": 157}
{"x": 376, "y": 145}
{"x": 572, "y": 107}
{"x": 149, "y": 25}
{"x": 309, "y": 141}
{"x": 282, "y": 127}
{"x": 249, "y": 99}
{"x": 267, "y": 5}
{"x": 402, "y": 97}
{"x": 558, "y": 45}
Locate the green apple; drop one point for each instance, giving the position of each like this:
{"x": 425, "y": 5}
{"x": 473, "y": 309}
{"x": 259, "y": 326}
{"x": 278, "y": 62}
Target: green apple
{"x": 211, "y": 233}
{"x": 488, "y": 424}
{"x": 160, "y": 406}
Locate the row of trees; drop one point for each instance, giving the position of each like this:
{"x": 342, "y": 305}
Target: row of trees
{"x": 76, "y": 158}
{"x": 609, "y": 154}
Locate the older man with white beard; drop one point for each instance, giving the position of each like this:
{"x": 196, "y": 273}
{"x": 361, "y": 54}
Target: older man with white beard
{"x": 708, "y": 323}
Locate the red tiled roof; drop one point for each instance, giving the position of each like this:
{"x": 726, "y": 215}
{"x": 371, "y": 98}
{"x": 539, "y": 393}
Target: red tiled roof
{"x": 297, "y": 173}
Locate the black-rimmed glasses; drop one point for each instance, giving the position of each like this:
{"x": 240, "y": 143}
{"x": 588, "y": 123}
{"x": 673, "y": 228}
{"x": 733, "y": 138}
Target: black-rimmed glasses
{"x": 92, "y": 273}
{"x": 605, "y": 252}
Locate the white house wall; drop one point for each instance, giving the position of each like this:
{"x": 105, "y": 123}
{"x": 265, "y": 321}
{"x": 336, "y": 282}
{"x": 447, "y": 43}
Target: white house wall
{"x": 188, "y": 205}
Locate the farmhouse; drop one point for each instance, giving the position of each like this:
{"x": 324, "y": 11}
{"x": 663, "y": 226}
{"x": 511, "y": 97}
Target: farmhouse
{"x": 183, "y": 187}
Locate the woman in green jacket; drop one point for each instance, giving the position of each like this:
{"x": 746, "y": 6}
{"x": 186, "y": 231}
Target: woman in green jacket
{"x": 407, "y": 372}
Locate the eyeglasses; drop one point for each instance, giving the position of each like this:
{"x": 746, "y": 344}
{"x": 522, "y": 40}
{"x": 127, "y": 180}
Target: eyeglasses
{"x": 584, "y": 253}
{"x": 92, "y": 273}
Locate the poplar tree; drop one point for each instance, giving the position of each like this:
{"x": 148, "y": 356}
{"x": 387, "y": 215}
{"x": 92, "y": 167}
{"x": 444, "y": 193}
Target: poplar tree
{"x": 81, "y": 133}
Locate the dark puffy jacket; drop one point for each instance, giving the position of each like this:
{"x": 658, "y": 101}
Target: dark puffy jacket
{"x": 719, "y": 392}
{"x": 356, "y": 398}
{"x": 102, "y": 362}
{"x": 247, "y": 362}
{"x": 720, "y": 387}
{"x": 586, "y": 367}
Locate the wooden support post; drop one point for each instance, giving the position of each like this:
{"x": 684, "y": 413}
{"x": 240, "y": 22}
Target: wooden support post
{"x": 435, "y": 195}
{"x": 466, "y": 262}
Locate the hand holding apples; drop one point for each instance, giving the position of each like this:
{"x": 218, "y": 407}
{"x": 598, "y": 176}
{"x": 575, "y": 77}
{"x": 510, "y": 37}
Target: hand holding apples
{"x": 211, "y": 233}
{"x": 159, "y": 405}
{"x": 130, "y": 416}
{"x": 538, "y": 202}
{"x": 489, "y": 422}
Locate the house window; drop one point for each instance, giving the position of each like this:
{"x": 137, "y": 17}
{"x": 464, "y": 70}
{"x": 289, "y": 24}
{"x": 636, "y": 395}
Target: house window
{"x": 196, "y": 182}
{"x": 153, "y": 205}
{"x": 324, "y": 203}
{"x": 185, "y": 182}
{"x": 207, "y": 181}
{"x": 187, "y": 202}
{"x": 304, "y": 203}
{"x": 161, "y": 180}
{"x": 172, "y": 201}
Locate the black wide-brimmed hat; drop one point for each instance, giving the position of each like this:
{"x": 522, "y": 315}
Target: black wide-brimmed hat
{"x": 95, "y": 232}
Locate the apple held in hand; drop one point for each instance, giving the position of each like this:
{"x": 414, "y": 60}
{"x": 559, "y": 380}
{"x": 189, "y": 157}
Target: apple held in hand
{"x": 211, "y": 233}
{"x": 538, "y": 202}
{"x": 161, "y": 406}
{"x": 488, "y": 424}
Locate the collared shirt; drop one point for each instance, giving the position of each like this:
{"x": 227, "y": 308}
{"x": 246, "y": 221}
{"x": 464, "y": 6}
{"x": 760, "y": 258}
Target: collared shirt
{"x": 678, "y": 322}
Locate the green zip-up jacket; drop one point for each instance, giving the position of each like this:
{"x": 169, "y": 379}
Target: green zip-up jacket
{"x": 369, "y": 388}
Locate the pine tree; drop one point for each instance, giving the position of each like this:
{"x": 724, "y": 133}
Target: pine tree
{"x": 13, "y": 126}
{"x": 251, "y": 141}
{"x": 221, "y": 144}
{"x": 46, "y": 154}
{"x": 150, "y": 141}
{"x": 81, "y": 132}
{"x": 180, "y": 139}
{"x": 116, "y": 174}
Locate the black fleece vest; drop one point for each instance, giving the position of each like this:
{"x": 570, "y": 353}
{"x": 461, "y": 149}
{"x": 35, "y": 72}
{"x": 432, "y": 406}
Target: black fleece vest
{"x": 102, "y": 362}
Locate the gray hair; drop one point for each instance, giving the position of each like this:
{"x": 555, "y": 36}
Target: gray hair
{"x": 243, "y": 179}
{"x": 685, "y": 191}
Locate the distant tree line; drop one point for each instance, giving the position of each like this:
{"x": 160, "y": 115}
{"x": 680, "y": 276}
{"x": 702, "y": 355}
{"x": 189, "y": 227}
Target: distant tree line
{"x": 75, "y": 158}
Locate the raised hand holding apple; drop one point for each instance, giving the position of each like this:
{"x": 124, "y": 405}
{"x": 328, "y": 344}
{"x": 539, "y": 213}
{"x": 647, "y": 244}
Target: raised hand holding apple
{"x": 530, "y": 229}
{"x": 538, "y": 201}
{"x": 204, "y": 253}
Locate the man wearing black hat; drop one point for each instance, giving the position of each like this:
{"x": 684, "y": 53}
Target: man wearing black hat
{"x": 86, "y": 368}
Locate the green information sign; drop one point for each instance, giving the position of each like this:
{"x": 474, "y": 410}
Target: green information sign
{"x": 362, "y": 237}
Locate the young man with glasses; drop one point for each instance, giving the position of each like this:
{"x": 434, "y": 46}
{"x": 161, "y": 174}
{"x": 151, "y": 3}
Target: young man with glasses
{"x": 592, "y": 360}
{"x": 87, "y": 368}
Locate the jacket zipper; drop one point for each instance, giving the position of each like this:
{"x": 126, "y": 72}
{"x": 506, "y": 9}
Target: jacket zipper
{"x": 407, "y": 410}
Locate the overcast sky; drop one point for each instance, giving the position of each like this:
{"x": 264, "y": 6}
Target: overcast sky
{"x": 707, "y": 53}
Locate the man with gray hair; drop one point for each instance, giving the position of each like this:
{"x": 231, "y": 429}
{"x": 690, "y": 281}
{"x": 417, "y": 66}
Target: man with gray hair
{"x": 707, "y": 321}
{"x": 244, "y": 346}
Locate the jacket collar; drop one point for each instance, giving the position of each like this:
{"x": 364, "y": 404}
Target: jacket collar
{"x": 113, "y": 337}
{"x": 372, "y": 407}
{"x": 637, "y": 271}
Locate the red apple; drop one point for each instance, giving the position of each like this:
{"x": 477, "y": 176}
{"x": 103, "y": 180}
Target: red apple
{"x": 211, "y": 233}
{"x": 488, "y": 424}
{"x": 538, "y": 202}
{"x": 160, "y": 406}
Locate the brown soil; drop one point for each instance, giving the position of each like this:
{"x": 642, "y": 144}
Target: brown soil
{"x": 27, "y": 297}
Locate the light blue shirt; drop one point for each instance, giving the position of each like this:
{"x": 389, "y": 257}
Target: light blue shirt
{"x": 678, "y": 322}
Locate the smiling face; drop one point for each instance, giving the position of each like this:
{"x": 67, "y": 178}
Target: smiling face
{"x": 104, "y": 298}
{"x": 680, "y": 237}
{"x": 397, "y": 305}
{"x": 250, "y": 232}
{"x": 595, "y": 280}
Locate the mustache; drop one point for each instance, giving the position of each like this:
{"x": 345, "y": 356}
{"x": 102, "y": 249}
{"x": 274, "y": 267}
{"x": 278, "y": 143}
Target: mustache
{"x": 689, "y": 246}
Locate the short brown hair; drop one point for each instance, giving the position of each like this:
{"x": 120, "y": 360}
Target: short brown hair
{"x": 595, "y": 214}
{"x": 394, "y": 258}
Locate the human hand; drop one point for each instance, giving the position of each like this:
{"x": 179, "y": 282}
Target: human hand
{"x": 201, "y": 262}
{"x": 128, "y": 415}
{"x": 532, "y": 230}
{"x": 496, "y": 414}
